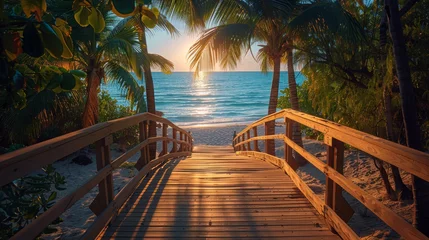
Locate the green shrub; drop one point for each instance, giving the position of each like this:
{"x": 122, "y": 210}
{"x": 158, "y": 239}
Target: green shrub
{"x": 109, "y": 109}
{"x": 23, "y": 200}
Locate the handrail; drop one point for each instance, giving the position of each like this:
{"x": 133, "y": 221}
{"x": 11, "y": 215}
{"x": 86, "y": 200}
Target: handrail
{"x": 21, "y": 162}
{"x": 335, "y": 209}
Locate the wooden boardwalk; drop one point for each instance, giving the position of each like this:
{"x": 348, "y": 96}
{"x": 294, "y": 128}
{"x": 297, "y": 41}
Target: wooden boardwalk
{"x": 216, "y": 194}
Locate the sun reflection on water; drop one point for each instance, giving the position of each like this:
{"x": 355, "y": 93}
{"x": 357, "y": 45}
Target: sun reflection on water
{"x": 200, "y": 88}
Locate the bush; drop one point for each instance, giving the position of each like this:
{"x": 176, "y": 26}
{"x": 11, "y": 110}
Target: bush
{"x": 23, "y": 200}
{"x": 109, "y": 109}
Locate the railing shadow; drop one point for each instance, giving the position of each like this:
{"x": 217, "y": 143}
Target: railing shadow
{"x": 140, "y": 209}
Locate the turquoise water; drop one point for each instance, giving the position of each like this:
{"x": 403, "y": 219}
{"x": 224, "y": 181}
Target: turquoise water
{"x": 219, "y": 98}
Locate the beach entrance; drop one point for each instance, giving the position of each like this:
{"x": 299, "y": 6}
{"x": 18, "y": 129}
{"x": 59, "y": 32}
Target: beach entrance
{"x": 237, "y": 191}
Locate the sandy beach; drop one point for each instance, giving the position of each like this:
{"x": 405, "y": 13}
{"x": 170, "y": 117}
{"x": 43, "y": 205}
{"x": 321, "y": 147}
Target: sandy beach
{"x": 358, "y": 167}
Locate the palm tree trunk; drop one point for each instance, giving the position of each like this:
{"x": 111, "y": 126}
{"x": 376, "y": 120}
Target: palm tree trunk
{"x": 272, "y": 107}
{"x": 150, "y": 90}
{"x": 401, "y": 190}
{"x": 409, "y": 112}
{"x": 296, "y": 135}
{"x": 90, "y": 112}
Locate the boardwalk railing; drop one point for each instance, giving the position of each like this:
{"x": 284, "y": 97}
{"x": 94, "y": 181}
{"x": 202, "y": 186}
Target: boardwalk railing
{"x": 335, "y": 208}
{"x": 106, "y": 204}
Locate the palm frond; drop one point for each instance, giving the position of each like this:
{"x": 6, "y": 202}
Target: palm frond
{"x": 165, "y": 25}
{"x": 193, "y": 12}
{"x": 126, "y": 82}
{"x": 224, "y": 44}
{"x": 264, "y": 59}
{"x": 160, "y": 62}
{"x": 329, "y": 14}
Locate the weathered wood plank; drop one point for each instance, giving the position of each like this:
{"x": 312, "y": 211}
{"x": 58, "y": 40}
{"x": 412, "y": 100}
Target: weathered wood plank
{"x": 210, "y": 195}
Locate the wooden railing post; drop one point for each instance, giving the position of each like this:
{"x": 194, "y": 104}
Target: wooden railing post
{"x": 191, "y": 144}
{"x": 248, "y": 143}
{"x": 288, "y": 156}
{"x": 334, "y": 193}
{"x": 181, "y": 139}
{"x": 164, "y": 142}
{"x": 144, "y": 152}
{"x": 105, "y": 187}
{"x": 152, "y": 132}
{"x": 267, "y": 142}
{"x": 233, "y": 140}
{"x": 255, "y": 142}
{"x": 174, "y": 149}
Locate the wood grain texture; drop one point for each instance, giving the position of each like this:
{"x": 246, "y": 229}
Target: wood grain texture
{"x": 216, "y": 194}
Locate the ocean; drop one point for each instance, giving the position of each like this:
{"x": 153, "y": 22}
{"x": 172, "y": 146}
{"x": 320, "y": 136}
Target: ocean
{"x": 217, "y": 98}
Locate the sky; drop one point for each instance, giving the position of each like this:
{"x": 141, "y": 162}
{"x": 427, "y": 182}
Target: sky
{"x": 176, "y": 49}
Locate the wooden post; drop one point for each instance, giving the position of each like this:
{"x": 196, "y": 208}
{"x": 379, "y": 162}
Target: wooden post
{"x": 334, "y": 193}
{"x": 105, "y": 187}
{"x": 287, "y": 149}
{"x": 191, "y": 144}
{"x": 255, "y": 142}
{"x": 248, "y": 143}
{"x": 152, "y": 147}
{"x": 266, "y": 150}
{"x": 185, "y": 147}
{"x": 233, "y": 140}
{"x": 143, "y": 133}
{"x": 174, "y": 149}
{"x": 181, "y": 139}
{"x": 164, "y": 142}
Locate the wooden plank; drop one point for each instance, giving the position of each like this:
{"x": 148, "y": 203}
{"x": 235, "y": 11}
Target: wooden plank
{"x": 384, "y": 213}
{"x": 143, "y": 135}
{"x": 212, "y": 192}
{"x": 105, "y": 186}
{"x": 32, "y": 230}
{"x": 174, "y": 149}
{"x": 340, "y": 226}
{"x": 255, "y": 142}
{"x": 408, "y": 159}
{"x": 334, "y": 193}
{"x": 288, "y": 153}
{"x": 266, "y": 137}
{"x": 248, "y": 137}
{"x": 104, "y": 218}
{"x": 23, "y": 161}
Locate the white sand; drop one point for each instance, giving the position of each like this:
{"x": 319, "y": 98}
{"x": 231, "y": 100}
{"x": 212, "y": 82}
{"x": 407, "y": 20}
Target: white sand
{"x": 358, "y": 167}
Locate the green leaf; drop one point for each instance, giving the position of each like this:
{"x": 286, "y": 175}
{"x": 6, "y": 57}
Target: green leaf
{"x": 52, "y": 196}
{"x": 82, "y": 16}
{"x": 124, "y": 8}
{"x": 79, "y": 83}
{"x": 148, "y": 22}
{"x": 66, "y": 43}
{"x": 34, "y": 6}
{"x": 69, "y": 82}
{"x": 155, "y": 11}
{"x": 55, "y": 81}
{"x": 33, "y": 44}
{"x": 52, "y": 41}
{"x": 78, "y": 73}
{"x": 96, "y": 20}
{"x": 63, "y": 25}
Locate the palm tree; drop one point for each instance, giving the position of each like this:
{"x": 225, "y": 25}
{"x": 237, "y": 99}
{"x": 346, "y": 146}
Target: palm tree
{"x": 409, "y": 111}
{"x": 158, "y": 21}
{"x": 109, "y": 57}
{"x": 274, "y": 23}
{"x": 240, "y": 25}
